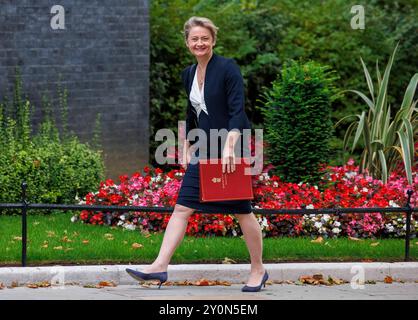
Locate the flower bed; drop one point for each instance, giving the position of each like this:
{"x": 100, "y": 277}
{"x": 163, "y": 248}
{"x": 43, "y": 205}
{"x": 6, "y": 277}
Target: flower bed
{"x": 340, "y": 187}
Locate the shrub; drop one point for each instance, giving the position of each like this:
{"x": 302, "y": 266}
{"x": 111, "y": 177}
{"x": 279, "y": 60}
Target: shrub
{"x": 297, "y": 121}
{"x": 57, "y": 169}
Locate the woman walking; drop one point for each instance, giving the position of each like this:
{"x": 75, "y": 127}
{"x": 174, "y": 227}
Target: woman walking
{"x": 215, "y": 91}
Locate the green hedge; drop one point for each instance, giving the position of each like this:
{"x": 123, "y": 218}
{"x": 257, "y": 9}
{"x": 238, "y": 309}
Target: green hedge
{"x": 297, "y": 121}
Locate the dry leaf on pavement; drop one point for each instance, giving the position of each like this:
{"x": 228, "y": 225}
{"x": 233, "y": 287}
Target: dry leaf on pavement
{"x": 107, "y": 284}
{"x": 388, "y": 279}
{"x": 202, "y": 282}
{"x": 92, "y": 286}
{"x": 36, "y": 285}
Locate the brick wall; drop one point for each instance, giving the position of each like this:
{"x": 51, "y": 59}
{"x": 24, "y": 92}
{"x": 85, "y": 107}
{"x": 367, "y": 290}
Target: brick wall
{"x": 102, "y": 56}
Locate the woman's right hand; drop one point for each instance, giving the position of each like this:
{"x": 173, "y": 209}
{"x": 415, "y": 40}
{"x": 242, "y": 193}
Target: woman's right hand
{"x": 187, "y": 156}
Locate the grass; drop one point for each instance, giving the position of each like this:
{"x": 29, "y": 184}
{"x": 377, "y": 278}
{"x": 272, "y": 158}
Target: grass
{"x": 54, "y": 239}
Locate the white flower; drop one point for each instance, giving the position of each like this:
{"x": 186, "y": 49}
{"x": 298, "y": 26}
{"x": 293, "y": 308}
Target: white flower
{"x": 264, "y": 223}
{"x": 337, "y": 223}
{"x": 350, "y": 175}
{"x": 310, "y": 206}
{"x": 275, "y": 184}
{"x": 336, "y": 230}
{"x": 120, "y": 223}
{"x": 234, "y": 233}
{"x": 74, "y": 218}
{"x": 365, "y": 189}
{"x": 326, "y": 217}
{"x": 261, "y": 177}
{"x": 390, "y": 228}
{"x": 393, "y": 204}
{"x": 318, "y": 225}
{"x": 300, "y": 183}
{"x": 312, "y": 216}
{"x": 316, "y": 187}
{"x": 129, "y": 226}
{"x": 122, "y": 217}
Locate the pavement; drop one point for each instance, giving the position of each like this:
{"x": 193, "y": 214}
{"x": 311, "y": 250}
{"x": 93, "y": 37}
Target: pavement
{"x": 360, "y": 281}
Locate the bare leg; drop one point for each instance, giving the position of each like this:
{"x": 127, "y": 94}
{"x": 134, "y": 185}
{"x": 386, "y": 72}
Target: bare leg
{"x": 173, "y": 235}
{"x": 253, "y": 238}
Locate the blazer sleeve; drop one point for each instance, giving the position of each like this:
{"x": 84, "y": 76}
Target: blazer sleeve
{"x": 235, "y": 97}
{"x": 190, "y": 117}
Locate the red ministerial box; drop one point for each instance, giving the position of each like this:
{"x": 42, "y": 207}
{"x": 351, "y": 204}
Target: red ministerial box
{"x": 218, "y": 186}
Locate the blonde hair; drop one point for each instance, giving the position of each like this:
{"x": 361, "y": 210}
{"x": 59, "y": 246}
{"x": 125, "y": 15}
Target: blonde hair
{"x": 200, "y": 22}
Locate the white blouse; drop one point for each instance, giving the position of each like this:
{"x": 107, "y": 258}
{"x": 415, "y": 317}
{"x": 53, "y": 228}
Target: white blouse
{"x": 197, "y": 96}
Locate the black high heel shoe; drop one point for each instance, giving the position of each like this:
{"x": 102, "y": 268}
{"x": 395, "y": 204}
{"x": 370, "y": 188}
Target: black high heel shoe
{"x": 138, "y": 275}
{"x": 257, "y": 288}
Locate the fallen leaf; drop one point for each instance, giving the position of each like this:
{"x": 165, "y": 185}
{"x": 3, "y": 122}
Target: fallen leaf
{"x": 1, "y": 286}
{"x": 367, "y": 260}
{"x": 50, "y": 234}
{"x": 318, "y": 276}
{"x": 109, "y": 236}
{"x": 58, "y": 248}
{"x": 355, "y": 239}
{"x": 14, "y": 284}
{"x": 36, "y": 285}
{"x": 85, "y": 241}
{"x": 318, "y": 240}
{"x": 202, "y": 282}
{"x": 92, "y": 286}
{"x": 308, "y": 280}
{"x": 374, "y": 244}
{"x": 45, "y": 246}
{"x": 66, "y": 239}
{"x": 107, "y": 284}
{"x": 17, "y": 238}
{"x": 136, "y": 245}
{"x": 68, "y": 249}
{"x": 228, "y": 261}
{"x": 388, "y": 279}
{"x": 333, "y": 280}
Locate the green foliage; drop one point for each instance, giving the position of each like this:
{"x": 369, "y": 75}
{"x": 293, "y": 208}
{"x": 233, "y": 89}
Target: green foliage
{"x": 263, "y": 35}
{"x": 57, "y": 169}
{"x": 386, "y": 141}
{"x": 297, "y": 121}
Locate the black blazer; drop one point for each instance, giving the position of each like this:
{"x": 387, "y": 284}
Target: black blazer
{"x": 223, "y": 92}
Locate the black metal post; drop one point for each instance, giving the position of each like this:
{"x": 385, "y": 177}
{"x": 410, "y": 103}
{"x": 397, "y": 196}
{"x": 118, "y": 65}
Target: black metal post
{"x": 24, "y": 224}
{"x": 408, "y": 224}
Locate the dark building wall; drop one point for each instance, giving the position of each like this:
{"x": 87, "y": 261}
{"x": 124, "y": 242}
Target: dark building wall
{"x": 102, "y": 57}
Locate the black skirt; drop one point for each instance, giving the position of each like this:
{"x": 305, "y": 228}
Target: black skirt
{"x": 189, "y": 193}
